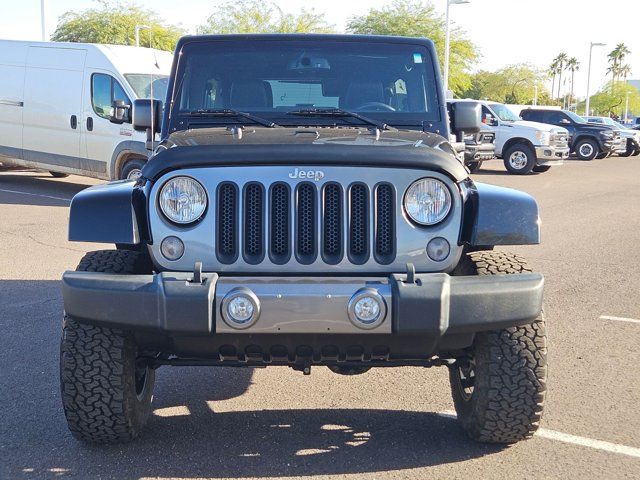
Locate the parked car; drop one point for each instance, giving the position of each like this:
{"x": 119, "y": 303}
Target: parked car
{"x": 629, "y": 138}
{"x": 56, "y": 101}
{"x": 343, "y": 232}
{"x": 586, "y": 140}
{"x": 524, "y": 146}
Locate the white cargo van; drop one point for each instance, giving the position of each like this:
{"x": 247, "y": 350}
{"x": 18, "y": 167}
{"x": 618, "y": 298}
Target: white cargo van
{"x": 56, "y": 100}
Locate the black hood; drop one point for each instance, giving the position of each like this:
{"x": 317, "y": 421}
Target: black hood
{"x": 343, "y": 135}
{"x": 343, "y": 146}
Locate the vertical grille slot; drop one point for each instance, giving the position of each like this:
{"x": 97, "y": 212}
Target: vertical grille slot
{"x": 332, "y": 222}
{"x": 227, "y": 224}
{"x": 358, "y": 223}
{"x": 306, "y": 223}
{"x": 385, "y": 224}
{"x": 253, "y": 223}
{"x": 280, "y": 221}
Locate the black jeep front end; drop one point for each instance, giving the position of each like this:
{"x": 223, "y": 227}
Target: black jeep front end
{"x": 282, "y": 235}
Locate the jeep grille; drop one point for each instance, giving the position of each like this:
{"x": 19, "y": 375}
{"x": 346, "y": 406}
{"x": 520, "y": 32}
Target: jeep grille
{"x": 312, "y": 238}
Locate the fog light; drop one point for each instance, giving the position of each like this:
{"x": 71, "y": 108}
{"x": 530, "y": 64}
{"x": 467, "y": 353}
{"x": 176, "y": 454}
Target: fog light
{"x": 438, "y": 249}
{"x": 240, "y": 308}
{"x": 367, "y": 308}
{"x": 172, "y": 248}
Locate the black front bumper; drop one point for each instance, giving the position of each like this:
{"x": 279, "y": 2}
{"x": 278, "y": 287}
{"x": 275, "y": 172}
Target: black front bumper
{"x": 435, "y": 313}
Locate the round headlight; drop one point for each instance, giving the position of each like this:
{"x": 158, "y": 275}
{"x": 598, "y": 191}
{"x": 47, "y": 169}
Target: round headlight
{"x": 183, "y": 200}
{"x": 427, "y": 201}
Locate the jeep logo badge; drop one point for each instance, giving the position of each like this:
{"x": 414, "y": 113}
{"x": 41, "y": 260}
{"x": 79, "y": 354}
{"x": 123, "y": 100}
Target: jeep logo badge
{"x": 315, "y": 175}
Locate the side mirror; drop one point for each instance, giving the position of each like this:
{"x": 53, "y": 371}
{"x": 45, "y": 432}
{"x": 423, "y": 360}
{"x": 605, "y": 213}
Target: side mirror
{"x": 147, "y": 114}
{"x": 120, "y": 112}
{"x": 565, "y": 121}
{"x": 467, "y": 117}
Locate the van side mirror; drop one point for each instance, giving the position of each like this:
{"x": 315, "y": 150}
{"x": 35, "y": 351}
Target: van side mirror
{"x": 120, "y": 112}
{"x": 467, "y": 117}
{"x": 147, "y": 114}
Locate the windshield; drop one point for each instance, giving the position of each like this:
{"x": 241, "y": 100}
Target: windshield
{"x": 504, "y": 113}
{"x": 393, "y": 83}
{"x": 141, "y": 84}
{"x": 576, "y": 118}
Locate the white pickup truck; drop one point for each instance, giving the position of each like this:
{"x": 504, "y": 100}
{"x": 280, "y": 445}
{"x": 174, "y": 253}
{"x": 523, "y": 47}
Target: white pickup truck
{"x": 524, "y": 146}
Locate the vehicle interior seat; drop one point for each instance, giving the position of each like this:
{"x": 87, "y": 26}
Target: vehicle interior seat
{"x": 251, "y": 94}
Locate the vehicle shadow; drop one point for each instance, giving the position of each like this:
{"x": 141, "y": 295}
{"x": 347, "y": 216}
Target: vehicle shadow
{"x": 186, "y": 436}
{"x": 38, "y": 189}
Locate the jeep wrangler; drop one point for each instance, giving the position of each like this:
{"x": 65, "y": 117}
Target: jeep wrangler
{"x": 303, "y": 207}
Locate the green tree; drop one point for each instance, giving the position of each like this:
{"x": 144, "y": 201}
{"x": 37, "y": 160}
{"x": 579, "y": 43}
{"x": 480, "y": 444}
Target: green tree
{"x": 255, "y": 16}
{"x": 611, "y": 99}
{"x": 114, "y": 23}
{"x": 515, "y": 84}
{"x": 418, "y": 18}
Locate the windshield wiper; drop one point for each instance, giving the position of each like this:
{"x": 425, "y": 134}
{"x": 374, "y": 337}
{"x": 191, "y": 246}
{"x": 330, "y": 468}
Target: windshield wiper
{"x": 227, "y": 112}
{"x": 338, "y": 112}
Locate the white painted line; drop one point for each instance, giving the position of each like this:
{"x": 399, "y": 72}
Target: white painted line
{"x": 619, "y": 319}
{"x": 576, "y": 440}
{"x": 36, "y": 195}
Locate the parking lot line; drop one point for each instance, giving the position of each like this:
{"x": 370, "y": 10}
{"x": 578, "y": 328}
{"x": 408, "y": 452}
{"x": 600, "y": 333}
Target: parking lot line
{"x": 619, "y": 319}
{"x": 576, "y": 440}
{"x": 36, "y": 195}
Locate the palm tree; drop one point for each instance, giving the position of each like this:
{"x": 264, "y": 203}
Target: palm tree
{"x": 552, "y": 73}
{"x": 573, "y": 65}
{"x": 560, "y": 60}
{"x": 616, "y": 57}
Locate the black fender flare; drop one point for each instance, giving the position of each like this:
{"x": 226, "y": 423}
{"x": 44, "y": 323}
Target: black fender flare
{"x": 114, "y": 212}
{"x": 498, "y": 216}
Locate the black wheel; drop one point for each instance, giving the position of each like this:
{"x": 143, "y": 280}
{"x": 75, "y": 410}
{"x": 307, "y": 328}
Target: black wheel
{"x": 629, "y": 151}
{"x": 602, "y": 155}
{"x": 474, "y": 167}
{"x": 519, "y": 159}
{"x": 132, "y": 169}
{"x": 58, "y": 174}
{"x": 636, "y": 152}
{"x": 106, "y": 391}
{"x": 587, "y": 149}
{"x": 541, "y": 168}
{"x": 499, "y": 387}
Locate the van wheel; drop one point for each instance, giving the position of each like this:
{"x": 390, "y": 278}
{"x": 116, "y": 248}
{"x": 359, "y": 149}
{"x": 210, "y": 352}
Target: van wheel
{"x": 132, "y": 169}
{"x": 58, "y": 174}
{"x": 519, "y": 159}
{"x": 587, "y": 149}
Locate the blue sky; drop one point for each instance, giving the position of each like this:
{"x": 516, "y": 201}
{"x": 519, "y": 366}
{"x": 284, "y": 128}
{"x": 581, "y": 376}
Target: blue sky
{"x": 506, "y": 31}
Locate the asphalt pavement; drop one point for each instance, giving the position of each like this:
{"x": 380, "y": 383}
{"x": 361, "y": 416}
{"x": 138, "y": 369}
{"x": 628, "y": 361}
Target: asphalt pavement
{"x": 387, "y": 423}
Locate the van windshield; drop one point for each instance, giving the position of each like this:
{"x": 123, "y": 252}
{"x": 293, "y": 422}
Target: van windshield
{"x": 393, "y": 83}
{"x": 141, "y": 84}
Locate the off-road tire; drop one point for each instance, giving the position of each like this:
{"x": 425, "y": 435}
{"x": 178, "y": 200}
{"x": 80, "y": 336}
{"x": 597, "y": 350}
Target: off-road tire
{"x": 106, "y": 397}
{"x": 528, "y": 154}
{"x": 595, "y": 150}
{"x": 474, "y": 167}
{"x": 602, "y": 155}
{"x": 506, "y": 403}
{"x": 541, "y": 168}
{"x": 58, "y": 174}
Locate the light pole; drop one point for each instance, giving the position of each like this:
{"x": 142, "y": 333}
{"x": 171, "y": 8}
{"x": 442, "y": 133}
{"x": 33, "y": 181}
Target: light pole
{"x": 446, "y": 42}
{"x": 42, "y": 22}
{"x": 137, "y": 30}
{"x": 586, "y": 104}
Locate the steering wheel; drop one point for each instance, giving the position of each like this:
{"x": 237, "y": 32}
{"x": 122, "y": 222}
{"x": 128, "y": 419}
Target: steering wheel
{"x": 376, "y": 107}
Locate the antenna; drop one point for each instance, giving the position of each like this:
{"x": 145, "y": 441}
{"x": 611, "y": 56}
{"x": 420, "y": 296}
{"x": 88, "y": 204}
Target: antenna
{"x": 153, "y": 103}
